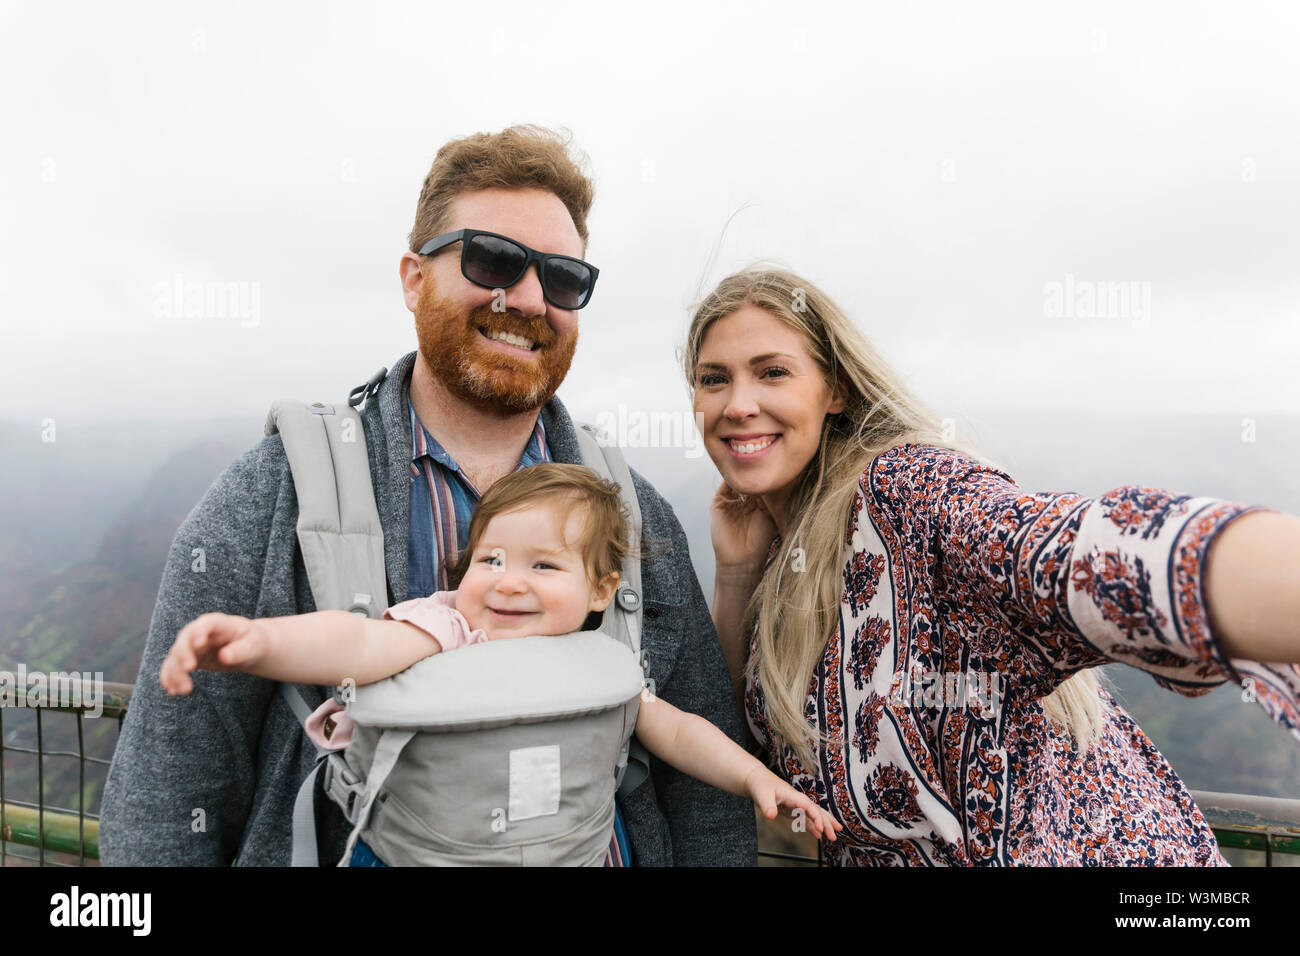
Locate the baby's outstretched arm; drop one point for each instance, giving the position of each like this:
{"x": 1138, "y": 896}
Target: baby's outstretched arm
{"x": 324, "y": 647}
{"x": 696, "y": 747}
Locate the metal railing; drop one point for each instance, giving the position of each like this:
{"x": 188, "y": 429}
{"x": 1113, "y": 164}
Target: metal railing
{"x": 1266, "y": 824}
{"x": 43, "y": 826}
{"x": 1269, "y": 825}
{"x": 1248, "y": 822}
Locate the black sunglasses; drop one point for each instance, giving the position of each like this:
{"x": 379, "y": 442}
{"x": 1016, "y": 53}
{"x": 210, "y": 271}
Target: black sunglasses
{"x": 498, "y": 262}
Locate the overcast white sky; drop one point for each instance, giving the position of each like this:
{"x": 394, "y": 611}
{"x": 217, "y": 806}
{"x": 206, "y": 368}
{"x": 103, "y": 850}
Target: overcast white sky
{"x": 933, "y": 166}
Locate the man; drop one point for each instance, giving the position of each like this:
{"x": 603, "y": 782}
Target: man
{"x": 210, "y": 778}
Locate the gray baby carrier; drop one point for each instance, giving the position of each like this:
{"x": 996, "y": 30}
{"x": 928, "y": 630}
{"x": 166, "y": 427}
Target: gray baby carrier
{"x": 505, "y": 753}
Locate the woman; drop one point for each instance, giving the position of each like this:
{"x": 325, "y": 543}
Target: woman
{"x": 922, "y": 635}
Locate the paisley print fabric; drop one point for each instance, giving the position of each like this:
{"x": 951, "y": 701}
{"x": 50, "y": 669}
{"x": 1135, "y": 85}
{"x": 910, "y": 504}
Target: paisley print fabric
{"x": 965, "y": 601}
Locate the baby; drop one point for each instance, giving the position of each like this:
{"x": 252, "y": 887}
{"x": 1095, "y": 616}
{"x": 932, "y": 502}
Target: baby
{"x": 545, "y": 547}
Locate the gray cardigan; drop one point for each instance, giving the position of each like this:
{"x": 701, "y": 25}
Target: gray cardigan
{"x": 210, "y": 778}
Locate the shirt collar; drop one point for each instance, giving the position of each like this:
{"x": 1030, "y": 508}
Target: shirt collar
{"x": 423, "y": 443}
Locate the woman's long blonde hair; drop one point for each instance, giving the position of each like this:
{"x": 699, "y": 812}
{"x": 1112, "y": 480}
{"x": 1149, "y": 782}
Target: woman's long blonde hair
{"x": 796, "y": 614}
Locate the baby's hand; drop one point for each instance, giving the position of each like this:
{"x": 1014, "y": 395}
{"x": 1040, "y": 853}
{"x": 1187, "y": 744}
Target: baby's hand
{"x": 213, "y": 642}
{"x": 770, "y": 793}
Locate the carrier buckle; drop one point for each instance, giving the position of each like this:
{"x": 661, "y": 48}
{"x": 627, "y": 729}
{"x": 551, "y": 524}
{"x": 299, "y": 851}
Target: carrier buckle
{"x": 344, "y": 787}
{"x": 628, "y": 599}
{"x": 364, "y": 392}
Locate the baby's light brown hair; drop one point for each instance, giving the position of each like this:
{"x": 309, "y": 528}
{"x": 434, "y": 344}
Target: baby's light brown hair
{"x": 604, "y": 544}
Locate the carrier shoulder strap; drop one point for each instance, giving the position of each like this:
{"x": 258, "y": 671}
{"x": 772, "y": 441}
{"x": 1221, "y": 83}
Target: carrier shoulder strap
{"x": 622, "y": 620}
{"x": 338, "y": 524}
{"x": 341, "y": 538}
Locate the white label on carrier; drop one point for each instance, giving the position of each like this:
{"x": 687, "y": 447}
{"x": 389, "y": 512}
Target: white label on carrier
{"x": 534, "y": 782}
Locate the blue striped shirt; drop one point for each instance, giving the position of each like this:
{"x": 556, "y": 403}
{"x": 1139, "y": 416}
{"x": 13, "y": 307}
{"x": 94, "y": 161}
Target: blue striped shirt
{"x": 442, "y": 502}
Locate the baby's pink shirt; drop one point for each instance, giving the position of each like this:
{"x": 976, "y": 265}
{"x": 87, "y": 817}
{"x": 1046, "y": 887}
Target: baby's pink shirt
{"x": 437, "y": 616}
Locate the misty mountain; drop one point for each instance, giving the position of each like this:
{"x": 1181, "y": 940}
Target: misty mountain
{"x": 92, "y": 614}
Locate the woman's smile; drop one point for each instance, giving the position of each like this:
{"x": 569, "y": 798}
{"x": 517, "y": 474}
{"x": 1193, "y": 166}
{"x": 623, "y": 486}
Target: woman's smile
{"x": 750, "y": 447}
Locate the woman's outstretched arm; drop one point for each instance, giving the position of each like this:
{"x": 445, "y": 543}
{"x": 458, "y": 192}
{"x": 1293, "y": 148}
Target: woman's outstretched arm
{"x": 1252, "y": 587}
{"x": 1058, "y": 582}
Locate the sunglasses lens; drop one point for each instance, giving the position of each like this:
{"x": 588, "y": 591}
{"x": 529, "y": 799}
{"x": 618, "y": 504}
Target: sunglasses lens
{"x": 568, "y": 282}
{"x": 492, "y": 262}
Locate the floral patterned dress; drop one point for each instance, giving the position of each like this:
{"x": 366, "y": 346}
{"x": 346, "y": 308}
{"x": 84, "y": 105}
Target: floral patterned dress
{"x": 966, "y": 600}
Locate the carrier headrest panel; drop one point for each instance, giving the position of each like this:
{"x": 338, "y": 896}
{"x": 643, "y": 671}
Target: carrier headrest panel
{"x": 517, "y": 680}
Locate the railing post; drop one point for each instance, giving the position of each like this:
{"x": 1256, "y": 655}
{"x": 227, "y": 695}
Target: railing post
{"x": 40, "y": 782}
{"x": 4, "y": 828}
{"x": 81, "y": 790}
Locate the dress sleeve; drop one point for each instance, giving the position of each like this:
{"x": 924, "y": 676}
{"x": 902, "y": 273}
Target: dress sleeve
{"x": 1082, "y": 581}
{"x": 437, "y": 616}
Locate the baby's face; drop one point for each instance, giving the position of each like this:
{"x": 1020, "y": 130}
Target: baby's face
{"x": 523, "y": 580}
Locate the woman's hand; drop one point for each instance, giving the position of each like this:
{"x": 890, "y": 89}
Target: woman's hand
{"x": 213, "y": 642}
{"x": 742, "y": 532}
{"x": 741, "y": 529}
{"x": 770, "y": 793}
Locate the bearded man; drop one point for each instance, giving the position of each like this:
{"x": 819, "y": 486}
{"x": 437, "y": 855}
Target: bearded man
{"x": 495, "y": 277}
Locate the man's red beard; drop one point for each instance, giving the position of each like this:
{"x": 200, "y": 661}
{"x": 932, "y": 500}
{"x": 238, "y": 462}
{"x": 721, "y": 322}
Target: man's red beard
{"x": 471, "y": 369}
